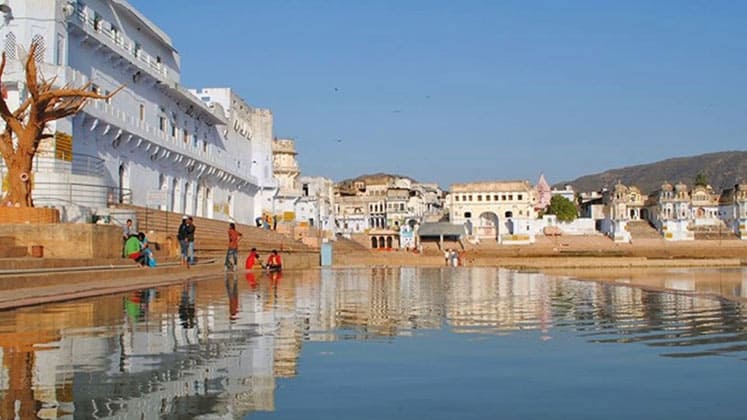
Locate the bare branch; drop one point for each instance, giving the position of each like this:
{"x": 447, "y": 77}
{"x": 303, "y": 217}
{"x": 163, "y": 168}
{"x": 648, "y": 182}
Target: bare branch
{"x": 32, "y": 82}
{"x": 10, "y": 119}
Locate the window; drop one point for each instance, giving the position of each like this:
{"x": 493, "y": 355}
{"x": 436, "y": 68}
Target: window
{"x": 510, "y": 197}
{"x": 186, "y": 136}
{"x": 456, "y": 198}
{"x": 479, "y": 197}
{"x": 508, "y": 214}
{"x": 401, "y": 206}
{"x": 520, "y": 197}
{"x": 487, "y": 197}
{"x": 96, "y": 21}
{"x": 503, "y": 197}
{"x": 142, "y": 112}
{"x": 204, "y": 145}
{"x": 467, "y": 214}
{"x": 58, "y": 51}
{"x": 470, "y": 197}
{"x": 495, "y": 197}
{"x": 173, "y": 130}
{"x": 162, "y": 124}
{"x": 108, "y": 100}
{"x": 137, "y": 49}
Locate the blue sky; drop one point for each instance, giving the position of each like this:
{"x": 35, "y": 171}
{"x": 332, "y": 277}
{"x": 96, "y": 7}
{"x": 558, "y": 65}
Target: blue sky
{"x": 448, "y": 91}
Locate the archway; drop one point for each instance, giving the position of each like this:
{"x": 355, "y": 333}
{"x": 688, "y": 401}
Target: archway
{"x": 381, "y": 242}
{"x": 374, "y": 242}
{"x": 188, "y": 198}
{"x": 388, "y": 241}
{"x": 487, "y": 226}
{"x": 176, "y": 195}
{"x": 124, "y": 182}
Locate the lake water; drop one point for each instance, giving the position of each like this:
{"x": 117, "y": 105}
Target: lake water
{"x": 388, "y": 343}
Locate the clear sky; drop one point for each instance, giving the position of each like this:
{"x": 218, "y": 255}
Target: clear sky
{"x": 453, "y": 91}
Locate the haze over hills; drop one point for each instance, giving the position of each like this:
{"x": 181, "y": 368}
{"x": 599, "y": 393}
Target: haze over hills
{"x": 723, "y": 169}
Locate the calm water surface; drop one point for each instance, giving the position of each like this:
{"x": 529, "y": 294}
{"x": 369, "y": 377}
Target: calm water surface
{"x": 386, "y": 343}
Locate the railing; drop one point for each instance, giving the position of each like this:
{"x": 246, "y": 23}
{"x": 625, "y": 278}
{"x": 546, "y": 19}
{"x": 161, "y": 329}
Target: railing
{"x": 70, "y": 193}
{"x": 116, "y": 38}
{"x": 61, "y": 162}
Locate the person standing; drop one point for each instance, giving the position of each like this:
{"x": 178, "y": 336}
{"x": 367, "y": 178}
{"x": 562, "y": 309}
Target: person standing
{"x": 183, "y": 243}
{"x": 190, "y": 241}
{"x": 126, "y": 232}
{"x": 233, "y": 247}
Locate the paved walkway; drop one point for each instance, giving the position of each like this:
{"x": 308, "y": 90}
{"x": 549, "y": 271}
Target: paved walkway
{"x": 33, "y": 289}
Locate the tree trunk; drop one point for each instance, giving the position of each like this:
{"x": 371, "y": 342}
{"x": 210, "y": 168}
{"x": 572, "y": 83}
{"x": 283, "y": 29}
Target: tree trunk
{"x": 19, "y": 172}
{"x": 19, "y": 192}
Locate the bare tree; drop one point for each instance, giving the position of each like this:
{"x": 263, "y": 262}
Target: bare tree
{"x": 24, "y": 127}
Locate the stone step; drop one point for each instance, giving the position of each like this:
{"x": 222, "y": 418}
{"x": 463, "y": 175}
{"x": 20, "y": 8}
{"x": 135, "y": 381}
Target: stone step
{"x": 13, "y": 251}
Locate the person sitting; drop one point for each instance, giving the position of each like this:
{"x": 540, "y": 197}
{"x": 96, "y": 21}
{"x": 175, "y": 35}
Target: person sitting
{"x": 274, "y": 262}
{"x": 132, "y": 250}
{"x": 145, "y": 249}
{"x": 253, "y": 258}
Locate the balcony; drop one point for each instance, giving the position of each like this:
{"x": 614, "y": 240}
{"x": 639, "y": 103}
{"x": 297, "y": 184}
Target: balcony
{"x": 159, "y": 144}
{"x": 100, "y": 31}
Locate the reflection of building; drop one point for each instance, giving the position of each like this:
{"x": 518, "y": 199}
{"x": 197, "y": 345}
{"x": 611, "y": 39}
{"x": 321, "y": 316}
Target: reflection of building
{"x": 192, "y": 350}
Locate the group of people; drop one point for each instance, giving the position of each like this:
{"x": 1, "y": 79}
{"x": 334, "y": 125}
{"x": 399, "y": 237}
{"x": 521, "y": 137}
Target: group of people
{"x": 274, "y": 261}
{"x": 451, "y": 258}
{"x": 135, "y": 246}
{"x": 267, "y": 222}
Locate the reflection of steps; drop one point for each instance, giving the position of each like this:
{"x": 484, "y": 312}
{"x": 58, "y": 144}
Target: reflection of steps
{"x": 718, "y": 232}
{"x": 211, "y": 237}
{"x": 641, "y": 229}
{"x": 8, "y": 248}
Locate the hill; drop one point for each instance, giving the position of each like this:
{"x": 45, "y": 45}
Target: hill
{"x": 723, "y": 169}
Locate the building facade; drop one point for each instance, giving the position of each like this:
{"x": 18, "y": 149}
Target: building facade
{"x": 153, "y": 144}
{"x": 494, "y": 210}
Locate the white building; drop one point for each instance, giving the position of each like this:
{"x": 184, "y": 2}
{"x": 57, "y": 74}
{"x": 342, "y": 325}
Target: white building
{"x": 497, "y": 210}
{"x": 251, "y": 129}
{"x": 317, "y": 203}
{"x": 154, "y": 143}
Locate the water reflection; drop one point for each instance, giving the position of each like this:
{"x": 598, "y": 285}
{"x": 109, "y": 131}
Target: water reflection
{"x": 219, "y": 346}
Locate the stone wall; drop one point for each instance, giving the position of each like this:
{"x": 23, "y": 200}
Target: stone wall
{"x": 68, "y": 240}
{"x": 11, "y": 215}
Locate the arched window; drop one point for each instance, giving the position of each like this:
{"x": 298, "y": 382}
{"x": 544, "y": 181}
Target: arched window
{"x": 10, "y": 46}
{"x": 40, "y": 47}
{"x": 374, "y": 242}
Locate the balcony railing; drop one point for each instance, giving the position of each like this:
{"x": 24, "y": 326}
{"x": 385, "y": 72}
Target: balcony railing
{"x": 117, "y": 40}
{"x": 61, "y": 162}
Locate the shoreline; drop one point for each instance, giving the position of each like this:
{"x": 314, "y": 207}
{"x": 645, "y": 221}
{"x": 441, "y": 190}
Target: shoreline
{"x": 35, "y": 288}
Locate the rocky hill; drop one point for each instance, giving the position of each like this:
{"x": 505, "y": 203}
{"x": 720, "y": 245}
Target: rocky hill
{"x": 722, "y": 169}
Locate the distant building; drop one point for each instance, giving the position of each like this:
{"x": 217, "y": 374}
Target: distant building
{"x": 544, "y": 193}
{"x": 494, "y": 210}
{"x": 733, "y": 209}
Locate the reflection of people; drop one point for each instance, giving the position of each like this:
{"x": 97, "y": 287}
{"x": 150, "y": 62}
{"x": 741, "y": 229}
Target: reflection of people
{"x": 187, "y": 306}
{"x": 274, "y": 262}
{"x": 251, "y": 279}
{"x": 232, "y": 290}
{"x": 253, "y": 258}
{"x": 447, "y": 256}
